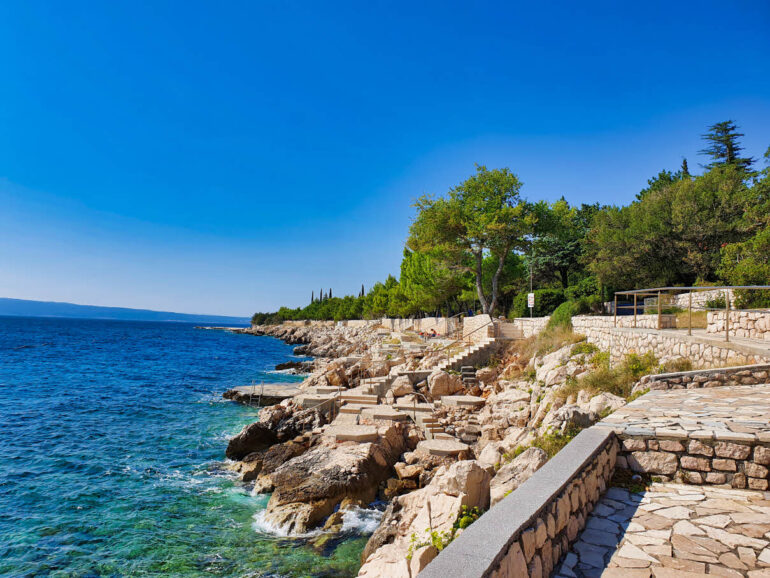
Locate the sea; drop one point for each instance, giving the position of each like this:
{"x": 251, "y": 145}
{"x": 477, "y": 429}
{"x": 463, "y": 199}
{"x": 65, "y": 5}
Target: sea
{"x": 112, "y": 440}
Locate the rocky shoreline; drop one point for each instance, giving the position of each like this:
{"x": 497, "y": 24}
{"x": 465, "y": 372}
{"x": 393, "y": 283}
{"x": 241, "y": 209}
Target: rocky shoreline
{"x": 434, "y": 443}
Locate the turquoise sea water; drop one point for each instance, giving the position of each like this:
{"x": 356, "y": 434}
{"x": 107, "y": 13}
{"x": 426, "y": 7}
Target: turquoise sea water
{"x": 112, "y": 439}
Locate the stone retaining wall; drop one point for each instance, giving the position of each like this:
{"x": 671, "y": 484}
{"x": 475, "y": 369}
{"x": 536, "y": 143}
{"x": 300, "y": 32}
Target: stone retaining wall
{"x": 529, "y": 531}
{"x": 472, "y": 327}
{"x": 530, "y": 325}
{"x": 699, "y": 298}
{"x": 696, "y": 458}
{"x": 442, "y": 325}
{"x": 750, "y": 324}
{"x": 583, "y": 323}
{"x": 621, "y": 342}
{"x": 740, "y": 375}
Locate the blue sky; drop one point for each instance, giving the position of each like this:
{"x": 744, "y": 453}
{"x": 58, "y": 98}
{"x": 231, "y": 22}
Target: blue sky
{"x": 230, "y": 157}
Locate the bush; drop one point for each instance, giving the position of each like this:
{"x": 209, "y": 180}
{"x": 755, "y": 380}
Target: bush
{"x": 562, "y": 315}
{"x": 546, "y": 300}
{"x": 589, "y": 304}
{"x": 584, "y": 348}
{"x": 749, "y": 299}
{"x": 716, "y": 303}
{"x": 587, "y": 287}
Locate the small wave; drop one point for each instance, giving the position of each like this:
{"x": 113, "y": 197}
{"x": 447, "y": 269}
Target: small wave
{"x": 361, "y": 520}
{"x": 290, "y": 371}
{"x": 262, "y": 526}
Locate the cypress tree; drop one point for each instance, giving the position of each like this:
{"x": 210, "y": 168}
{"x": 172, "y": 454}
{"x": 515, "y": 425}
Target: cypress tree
{"x": 312, "y": 296}
{"x": 685, "y": 168}
{"x": 330, "y": 292}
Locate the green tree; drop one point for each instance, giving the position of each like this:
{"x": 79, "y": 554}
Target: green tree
{"x": 724, "y": 146}
{"x": 483, "y": 215}
{"x": 559, "y": 240}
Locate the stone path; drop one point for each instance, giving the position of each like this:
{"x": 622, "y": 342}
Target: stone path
{"x": 737, "y": 413}
{"x": 674, "y": 531}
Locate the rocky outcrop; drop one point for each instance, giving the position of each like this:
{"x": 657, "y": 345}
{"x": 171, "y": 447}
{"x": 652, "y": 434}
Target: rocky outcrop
{"x": 516, "y": 472}
{"x": 441, "y": 383}
{"x": 435, "y": 506}
{"x": 253, "y": 438}
{"x": 308, "y": 488}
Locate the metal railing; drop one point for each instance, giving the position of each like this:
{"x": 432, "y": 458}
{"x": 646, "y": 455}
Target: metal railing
{"x": 659, "y": 293}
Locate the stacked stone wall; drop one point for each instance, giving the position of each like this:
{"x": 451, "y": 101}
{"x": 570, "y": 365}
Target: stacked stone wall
{"x": 587, "y": 322}
{"x": 472, "y": 327}
{"x": 699, "y": 298}
{"x": 621, "y": 342}
{"x": 740, "y": 375}
{"x": 530, "y": 531}
{"x": 546, "y": 539}
{"x": 749, "y": 324}
{"x": 738, "y": 460}
{"x": 530, "y": 325}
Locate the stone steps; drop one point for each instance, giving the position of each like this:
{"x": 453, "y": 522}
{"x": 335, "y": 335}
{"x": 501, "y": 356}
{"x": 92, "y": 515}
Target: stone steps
{"x": 352, "y": 433}
{"x": 466, "y": 401}
{"x": 442, "y": 447}
{"x": 383, "y": 412}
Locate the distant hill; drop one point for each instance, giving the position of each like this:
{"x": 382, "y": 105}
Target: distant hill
{"x": 25, "y": 308}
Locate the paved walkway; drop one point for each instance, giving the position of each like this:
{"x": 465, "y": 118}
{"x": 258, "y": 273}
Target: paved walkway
{"x": 674, "y": 531}
{"x": 737, "y": 413}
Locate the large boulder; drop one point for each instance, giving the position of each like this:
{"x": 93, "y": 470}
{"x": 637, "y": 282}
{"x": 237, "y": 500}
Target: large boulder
{"x": 605, "y": 402}
{"x": 436, "y": 506}
{"x": 402, "y": 386}
{"x": 252, "y": 438}
{"x": 441, "y": 383}
{"x": 306, "y": 489}
{"x": 567, "y": 417}
{"x": 516, "y": 472}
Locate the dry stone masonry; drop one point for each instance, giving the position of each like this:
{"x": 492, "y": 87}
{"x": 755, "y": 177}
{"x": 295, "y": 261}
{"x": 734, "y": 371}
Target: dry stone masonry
{"x": 717, "y": 436}
{"x": 748, "y": 324}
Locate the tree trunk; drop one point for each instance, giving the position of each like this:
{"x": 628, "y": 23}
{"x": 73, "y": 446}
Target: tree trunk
{"x": 564, "y": 275}
{"x": 479, "y": 284}
{"x": 496, "y": 280}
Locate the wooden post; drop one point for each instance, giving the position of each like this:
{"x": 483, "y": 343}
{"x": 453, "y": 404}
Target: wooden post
{"x": 615, "y": 312}
{"x": 659, "y": 310}
{"x": 634, "y": 310}
{"x": 689, "y": 325}
{"x": 727, "y": 316}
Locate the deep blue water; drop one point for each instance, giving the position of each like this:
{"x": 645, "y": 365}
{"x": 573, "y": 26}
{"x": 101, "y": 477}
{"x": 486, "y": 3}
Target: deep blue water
{"x": 112, "y": 438}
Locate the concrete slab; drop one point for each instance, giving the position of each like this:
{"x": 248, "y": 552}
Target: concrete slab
{"x": 442, "y": 447}
{"x": 384, "y": 412}
{"x": 352, "y": 433}
{"x": 463, "y": 401}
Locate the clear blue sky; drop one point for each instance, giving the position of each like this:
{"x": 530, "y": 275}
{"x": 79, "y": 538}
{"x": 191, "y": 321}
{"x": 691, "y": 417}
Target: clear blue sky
{"x": 231, "y": 157}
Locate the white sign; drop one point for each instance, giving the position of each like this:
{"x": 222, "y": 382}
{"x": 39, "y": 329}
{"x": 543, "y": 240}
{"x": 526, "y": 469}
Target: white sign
{"x": 530, "y": 300}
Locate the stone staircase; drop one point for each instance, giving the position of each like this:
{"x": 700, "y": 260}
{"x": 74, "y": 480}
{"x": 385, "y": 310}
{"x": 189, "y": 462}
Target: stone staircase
{"x": 468, "y": 374}
{"x": 478, "y": 352}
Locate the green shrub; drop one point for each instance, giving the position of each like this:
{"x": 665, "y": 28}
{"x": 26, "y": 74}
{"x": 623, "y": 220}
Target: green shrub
{"x": 748, "y": 299}
{"x": 562, "y": 315}
{"x": 587, "y": 287}
{"x": 546, "y": 300}
{"x": 584, "y": 348}
{"x": 589, "y": 304}
{"x": 716, "y": 302}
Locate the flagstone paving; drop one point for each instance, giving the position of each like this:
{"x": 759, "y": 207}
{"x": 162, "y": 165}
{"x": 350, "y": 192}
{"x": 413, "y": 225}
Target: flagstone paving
{"x": 737, "y": 413}
{"x": 674, "y": 531}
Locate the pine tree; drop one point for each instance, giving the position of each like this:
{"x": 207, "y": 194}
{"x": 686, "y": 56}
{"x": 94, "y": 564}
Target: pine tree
{"x": 725, "y": 147}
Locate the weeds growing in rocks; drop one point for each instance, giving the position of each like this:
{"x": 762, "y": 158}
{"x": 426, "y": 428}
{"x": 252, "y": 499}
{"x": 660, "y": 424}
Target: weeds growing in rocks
{"x": 441, "y": 540}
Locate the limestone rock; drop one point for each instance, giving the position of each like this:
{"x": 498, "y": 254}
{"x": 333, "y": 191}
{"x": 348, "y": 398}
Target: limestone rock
{"x": 252, "y": 438}
{"x": 464, "y": 483}
{"x": 513, "y": 474}
{"x": 402, "y": 386}
{"x": 441, "y": 383}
